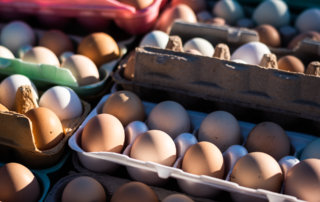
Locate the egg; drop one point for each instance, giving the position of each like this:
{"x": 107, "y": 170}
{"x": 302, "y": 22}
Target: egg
{"x": 16, "y": 34}
{"x": 303, "y": 180}
{"x": 56, "y": 41}
{"x": 273, "y": 12}
{"x": 312, "y": 150}
{"x": 156, "y": 38}
{"x": 180, "y": 11}
{"x": 308, "y": 20}
{"x": 258, "y": 170}
{"x": 204, "y": 158}
{"x": 99, "y": 47}
{"x": 270, "y": 138}
{"x": 170, "y": 117}
{"x": 217, "y": 21}
{"x": 103, "y": 133}
{"x": 134, "y": 191}
{"x": 9, "y": 87}
{"x": 220, "y": 128}
{"x": 41, "y": 55}
{"x": 295, "y": 42}
{"x": 82, "y": 68}
{"x": 268, "y": 35}
{"x": 46, "y": 127}
{"x": 63, "y": 101}
{"x": 83, "y": 189}
{"x": 6, "y": 53}
{"x": 291, "y": 63}
{"x": 250, "y": 53}
{"x": 201, "y": 45}
{"x": 177, "y": 198}
{"x": 18, "y": 183}
{"x": 156, "y": 146}
{"x": 138, "y": 4}
{"x": 126, "y": 106}
{"x": 229, "y": 10}
{"x": 196, "y": 5}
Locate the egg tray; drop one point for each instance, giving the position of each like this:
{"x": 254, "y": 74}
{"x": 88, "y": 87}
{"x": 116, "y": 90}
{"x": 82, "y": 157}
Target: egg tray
{"x": 110, "y": 184}
{"x": 17, "y": 139}
{"x": 156, "y": 174}
{"x": 307, "y": 51}
{"x": 125, "y": 16}
{"x": 251, "y": 92}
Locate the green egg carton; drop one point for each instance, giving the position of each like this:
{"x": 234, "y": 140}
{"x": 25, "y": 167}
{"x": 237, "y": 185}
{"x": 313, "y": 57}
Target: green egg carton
{"x": 40, "y": 73}
{"x": 45, "y": 76}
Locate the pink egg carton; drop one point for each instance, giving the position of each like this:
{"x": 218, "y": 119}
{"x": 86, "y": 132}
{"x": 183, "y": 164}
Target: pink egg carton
{"x": 155, "y": 174}
{"x": 125, "y": 16}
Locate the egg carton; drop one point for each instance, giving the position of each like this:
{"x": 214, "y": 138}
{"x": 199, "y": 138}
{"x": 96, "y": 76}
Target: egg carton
{"x": 156, "y": 174}
{"x": 17, "y": 139}
{"x": 125, "y": 16}
{"x": 109, "y": 183}
{"x": 307, "y": 51}
{"x": 295, "y": 4}
{"x": 253, "y": 93}
{"x": 45, "y": 76}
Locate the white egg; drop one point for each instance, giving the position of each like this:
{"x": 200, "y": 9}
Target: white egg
{"x": 239, "y": 61}
{"x": 309, "y": 20}
{"x": 250, "y": 53}
{"x": 9, "y": 87}
{"x": 5, "y": 53}
{"x": 230, "y": 10}
{"x": 201, "y": 45}
{"x": 63, "y": 101}
{"x": 17, "y": 34}
{"x": 155, "y": 38}
{"x": 273, "y": 12}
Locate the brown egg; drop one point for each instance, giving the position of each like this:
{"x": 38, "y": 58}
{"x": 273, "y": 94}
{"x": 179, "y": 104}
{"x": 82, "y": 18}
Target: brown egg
{"x": 84, "y": 189}
{"x": 3, "y": 108}
{"x": 291, "y": 63}
{"x": 124, "y": 105}
{"x": 46, "y": 127}
{"x": 134, "y": 192}
{"x": 138, "y": 4}
{"x": 220, "y": 128}
{"x": 258, "y": 170}
{"x": 41, "y": 55}
{"x": 177, "y": 198}
{"x": 195, "y": 5}
{"x": 57, "y": 41}
{"x": 218, "y": 21}
{"x": 303, "y": 180}
{"x": 82, "y": 68}
{"x": 180, "y": 11}
{"x": 103, "y": 133}
{"x": 99, "y": 47}
{"x": 306, "y": 35}
{"x": 155, "y": 146}
{"x": 270, "y": 138}
{"x": 268, "y": 35}
{"x": 170, "y": 117}
{"x": 204, "y": 158}
{"x": 17, "y": 183}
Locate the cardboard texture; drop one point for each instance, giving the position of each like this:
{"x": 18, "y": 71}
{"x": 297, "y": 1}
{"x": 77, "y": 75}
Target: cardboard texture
{"x": 16, "y": 135}
{"x": 215, "y": 34}
{"x": 270, "y": 91}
